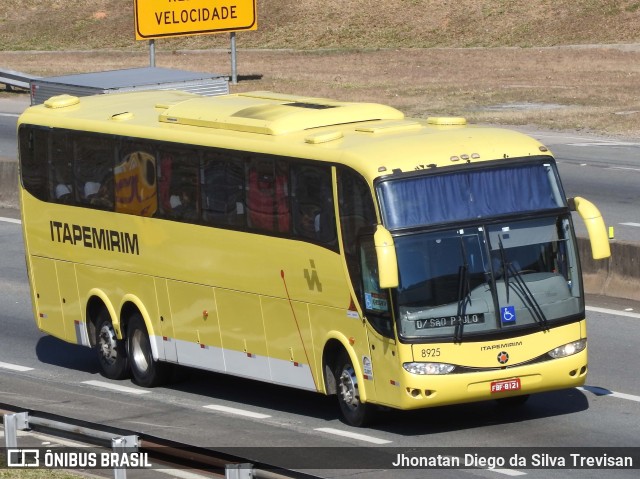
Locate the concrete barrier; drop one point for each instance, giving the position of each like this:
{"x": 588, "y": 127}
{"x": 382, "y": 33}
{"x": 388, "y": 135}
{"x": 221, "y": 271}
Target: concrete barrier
{"x": 8, "y": 184}
{"x": 617, "y": 276}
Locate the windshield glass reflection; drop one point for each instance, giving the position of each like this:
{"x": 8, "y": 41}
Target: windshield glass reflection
{"x": 463, "y": 282}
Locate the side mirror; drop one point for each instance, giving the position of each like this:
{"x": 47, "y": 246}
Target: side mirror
{"x": 387, "y": 260}
{"x": 596, "y": 228}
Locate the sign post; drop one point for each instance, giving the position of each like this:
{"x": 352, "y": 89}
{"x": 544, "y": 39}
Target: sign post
{"x": 169, "y": 18}
{"x": 152, "y": 53}
{"x": 234, "y": 67}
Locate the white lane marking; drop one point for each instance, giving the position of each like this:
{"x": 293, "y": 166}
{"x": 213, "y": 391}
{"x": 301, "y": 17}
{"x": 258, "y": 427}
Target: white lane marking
{"x": 10, "y": 220}
{"x": 239, "y": 412}
{"x": 605, "y": 392}
{"x": 353, "y": 435}
{"x": 631, "y": 224}
{"x": 603, "y": 143}
{"x": 12, "y": 115}
{"x": 624, "y": 168}
{"x": 116, "y": 387}
{"x": 612, "y": 312}
{"x": 628, "y": 397}
{"x": 508, "y": 472}
{"x": 580, "y": 140}
{"x": 15, "y": 367}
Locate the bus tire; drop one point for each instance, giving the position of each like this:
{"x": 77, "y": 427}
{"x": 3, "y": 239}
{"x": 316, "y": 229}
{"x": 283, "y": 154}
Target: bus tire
{"x": 145, "y": 371}
{"x": 354, "y": 412}
{"x": 112, "y": 353}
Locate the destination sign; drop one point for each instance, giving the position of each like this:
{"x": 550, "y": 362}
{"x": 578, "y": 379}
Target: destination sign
{"x": 447, "y": 321}
{"x": 166, "y": 18}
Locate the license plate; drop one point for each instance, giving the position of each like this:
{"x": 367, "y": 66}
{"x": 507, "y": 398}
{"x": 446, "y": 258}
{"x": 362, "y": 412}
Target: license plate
{"x": 505, "y": 385}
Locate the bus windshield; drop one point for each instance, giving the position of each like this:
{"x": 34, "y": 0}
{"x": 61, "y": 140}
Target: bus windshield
{"x": 482, "y": 274}
{"x": 485, "y": 279}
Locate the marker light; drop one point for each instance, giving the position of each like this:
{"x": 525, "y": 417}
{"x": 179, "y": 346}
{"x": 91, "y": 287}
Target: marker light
{"x": 428, "y": 368}
{"x": 568, "y": 349}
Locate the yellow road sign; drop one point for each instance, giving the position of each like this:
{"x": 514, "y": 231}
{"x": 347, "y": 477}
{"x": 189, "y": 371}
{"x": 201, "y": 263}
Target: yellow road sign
{"x": 166, "y": 18}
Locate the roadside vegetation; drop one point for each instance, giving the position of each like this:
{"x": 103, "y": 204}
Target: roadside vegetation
{"x": 39, "y": 474}
{"x": 552, "y": 64}
{"x": 338, "y": 24}
{"x": 560, "y": 64}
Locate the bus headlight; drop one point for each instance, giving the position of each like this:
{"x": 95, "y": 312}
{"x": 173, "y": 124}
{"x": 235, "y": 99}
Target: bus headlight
{"x": 428, "y": 368}
{"x": 568, "y": 349}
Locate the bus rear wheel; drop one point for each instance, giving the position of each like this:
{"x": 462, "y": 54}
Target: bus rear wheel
{"x": 145, "y": 370}
{"x": 355, "y": 412}
{"x": 112, "y": 354}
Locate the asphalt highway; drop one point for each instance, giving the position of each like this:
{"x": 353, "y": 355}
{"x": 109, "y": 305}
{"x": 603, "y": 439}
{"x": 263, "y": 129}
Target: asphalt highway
{"x": 301, "y": 430}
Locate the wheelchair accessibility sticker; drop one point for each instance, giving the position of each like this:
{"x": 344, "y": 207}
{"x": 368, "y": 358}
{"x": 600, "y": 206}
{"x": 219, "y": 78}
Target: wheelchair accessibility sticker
{"x": 508, "y": 314}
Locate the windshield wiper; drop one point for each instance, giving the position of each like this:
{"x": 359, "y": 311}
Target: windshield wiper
{"x": 528, "y": 297}
{"x": 464, "y": 293}
{"x": 522, "y": 289}
{"x": 505, "y": 266}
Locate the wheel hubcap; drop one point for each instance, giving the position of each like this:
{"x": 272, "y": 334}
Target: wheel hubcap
{"x": 107, "y": 345}
{"x": 348, "y": 384}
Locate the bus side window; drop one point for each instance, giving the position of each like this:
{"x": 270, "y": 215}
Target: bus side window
{"x": 182, "y": 168}
{"x": 33, "y": 161}
{"x": 356, "y": 214}
{"x": 268, "y": 195}
{"x": 61, "y": 169}
{"x": 94, "y": 159}
{"x": 136, "y": 190}
{"x": 313, "y": 212}
{"x": 164, "y": 183}
{"x": 222, "y": 190}
{"x": 375, "y": 299}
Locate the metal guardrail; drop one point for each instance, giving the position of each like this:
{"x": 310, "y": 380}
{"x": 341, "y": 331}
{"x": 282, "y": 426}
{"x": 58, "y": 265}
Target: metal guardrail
{"x": 22, "y": 421}
{"x": 124, "y": 442}
{"x": 14, "y": 79}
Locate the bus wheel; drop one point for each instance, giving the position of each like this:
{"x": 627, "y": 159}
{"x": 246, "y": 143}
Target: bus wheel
{"x": 112, "y": 354}
{"x": 355, "y": 412}
{"x": 145, "y": 371}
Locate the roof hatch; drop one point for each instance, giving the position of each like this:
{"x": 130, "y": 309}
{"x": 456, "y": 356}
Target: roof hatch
{"x": 61, "y": 101}
{"x": 272, "y": 113}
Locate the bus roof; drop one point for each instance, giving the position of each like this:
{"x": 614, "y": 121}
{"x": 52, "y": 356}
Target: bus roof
{"x": 372, "y": 138}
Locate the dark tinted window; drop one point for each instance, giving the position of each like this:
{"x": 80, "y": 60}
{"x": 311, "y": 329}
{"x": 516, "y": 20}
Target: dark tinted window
{"x": 223, "y": 188}
{"x": 268, "y": 194}
{"x": 94, "y": 159}
{"x": 357, "y": 214}
{"x": 312, "y": 203}
{"x": 33, "y": 161}
{"x": 61, "y": 182}
{"x": 136, "y": 189}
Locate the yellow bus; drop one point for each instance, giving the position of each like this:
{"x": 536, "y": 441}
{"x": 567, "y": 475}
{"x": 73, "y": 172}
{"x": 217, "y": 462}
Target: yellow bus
{"x": 330, "y": 246}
